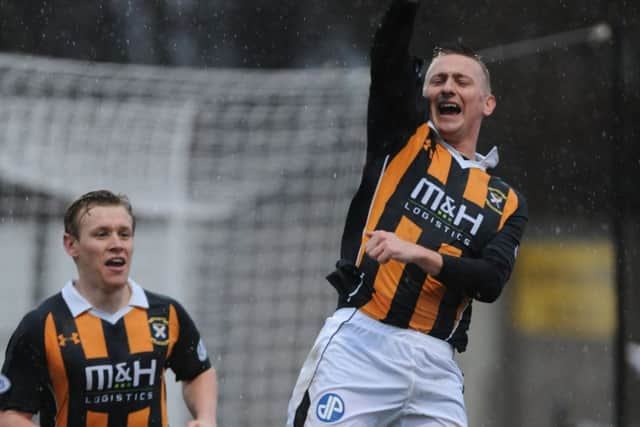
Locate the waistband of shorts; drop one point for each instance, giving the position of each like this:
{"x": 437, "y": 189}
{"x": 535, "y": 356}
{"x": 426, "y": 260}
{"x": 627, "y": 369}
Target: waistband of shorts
{"x": 436, "y": 345}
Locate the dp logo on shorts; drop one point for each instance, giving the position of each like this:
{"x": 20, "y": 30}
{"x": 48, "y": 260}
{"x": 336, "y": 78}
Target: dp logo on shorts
{"x": 330, "y": 408}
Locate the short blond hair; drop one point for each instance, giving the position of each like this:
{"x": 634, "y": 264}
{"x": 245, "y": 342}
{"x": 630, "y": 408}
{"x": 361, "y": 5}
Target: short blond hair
{"x": 82, "y": 204}
{"x": 463, "y": 50}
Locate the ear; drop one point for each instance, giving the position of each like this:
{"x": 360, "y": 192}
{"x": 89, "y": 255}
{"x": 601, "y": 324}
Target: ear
{"x": 70, "y": 244}
{"x": 489, "y": 105}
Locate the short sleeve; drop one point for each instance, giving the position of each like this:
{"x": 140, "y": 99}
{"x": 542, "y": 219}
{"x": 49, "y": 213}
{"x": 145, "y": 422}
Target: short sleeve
{"x": 24, "y": 374}
{"x": 189, "y": 357}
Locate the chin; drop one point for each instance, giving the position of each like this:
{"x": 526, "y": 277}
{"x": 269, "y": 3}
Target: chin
{"x": 448, "y": 132}
{"x": 447, "y": 126}
{"x": 116, "y": 283}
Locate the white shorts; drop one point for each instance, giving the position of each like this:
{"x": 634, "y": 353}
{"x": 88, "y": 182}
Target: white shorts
{"x": 362, "y": 372}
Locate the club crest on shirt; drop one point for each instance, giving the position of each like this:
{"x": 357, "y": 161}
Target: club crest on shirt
{"x": 159, "y": 327}
{"x": 5, "y": 384}
{"x": 496, "y": 200}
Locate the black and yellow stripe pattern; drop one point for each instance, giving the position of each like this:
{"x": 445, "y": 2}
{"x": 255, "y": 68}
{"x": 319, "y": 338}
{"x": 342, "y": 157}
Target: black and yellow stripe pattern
{"x": 85, "y": 371}
{"x": 125, "y": 348}
{"x": 428, "y": 195}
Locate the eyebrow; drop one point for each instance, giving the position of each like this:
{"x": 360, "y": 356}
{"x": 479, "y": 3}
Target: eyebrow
{"x": 111, "y": 227}
{"x": 455, "y": 75}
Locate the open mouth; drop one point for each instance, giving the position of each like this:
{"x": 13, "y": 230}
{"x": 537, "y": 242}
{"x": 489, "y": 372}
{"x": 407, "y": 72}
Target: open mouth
{"x": 115, "y": 262}
{"x": 449, "y": 108}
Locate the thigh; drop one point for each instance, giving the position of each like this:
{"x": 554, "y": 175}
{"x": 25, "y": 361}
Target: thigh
{"x": 438, "y": 398}
{"x": 360, "y": 379}
{"x": 423, "y": 421}
{"x": 299, "y": 401}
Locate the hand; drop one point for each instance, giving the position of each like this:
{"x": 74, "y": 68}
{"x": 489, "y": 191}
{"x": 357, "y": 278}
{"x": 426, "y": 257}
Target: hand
{"x": 384, "y": 246}
{"x": 349, "y": 281}
{"x": 196, "y": 423}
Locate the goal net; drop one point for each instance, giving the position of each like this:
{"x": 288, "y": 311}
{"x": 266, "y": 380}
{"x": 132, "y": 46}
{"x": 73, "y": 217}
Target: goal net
{"x": 240, "y": 180}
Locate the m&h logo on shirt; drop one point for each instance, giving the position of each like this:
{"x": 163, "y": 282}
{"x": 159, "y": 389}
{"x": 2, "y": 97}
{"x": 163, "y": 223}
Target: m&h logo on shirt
{"x": 330, "y": 408}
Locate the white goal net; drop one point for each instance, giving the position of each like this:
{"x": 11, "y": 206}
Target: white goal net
{"x": 240, "y": 180}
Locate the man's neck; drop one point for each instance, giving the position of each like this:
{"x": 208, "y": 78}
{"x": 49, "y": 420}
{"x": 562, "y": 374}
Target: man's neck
{"x": 108, "y": 301}
{"x": 465, "y": 147}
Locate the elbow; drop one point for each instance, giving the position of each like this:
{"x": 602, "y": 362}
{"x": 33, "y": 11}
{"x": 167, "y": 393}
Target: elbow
{"x": 488, "y": 296}
{"x": 494, "y": 278}
{"x": 489, "y": 291}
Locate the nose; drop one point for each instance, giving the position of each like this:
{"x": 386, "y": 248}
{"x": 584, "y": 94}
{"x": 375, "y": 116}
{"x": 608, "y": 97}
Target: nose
{"x": 448, "y": 88}
{"x": 115, "y": 242}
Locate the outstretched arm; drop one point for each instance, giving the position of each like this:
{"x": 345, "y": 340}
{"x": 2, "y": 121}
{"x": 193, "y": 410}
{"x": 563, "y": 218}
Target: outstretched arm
{"x": 396, "y": 107}
{"x": 201, "y": 396}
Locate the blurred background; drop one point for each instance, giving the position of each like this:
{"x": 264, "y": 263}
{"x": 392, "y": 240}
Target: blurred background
{"x": 237, "y": 129}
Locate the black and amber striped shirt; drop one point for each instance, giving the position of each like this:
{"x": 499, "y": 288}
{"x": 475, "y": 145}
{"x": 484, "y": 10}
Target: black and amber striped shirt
{"x": 415, "y": 185}
{"x": 80, "y": 368}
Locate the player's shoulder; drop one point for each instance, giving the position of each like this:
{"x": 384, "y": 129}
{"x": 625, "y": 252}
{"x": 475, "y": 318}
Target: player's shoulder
{"x": 501, "y": 184}
{"x": 158, "y": 300}
{"x": 501, "y": 189}
{"x": 166, "y": 306}
{"x": 32, "y": 323}
{"x": 49, "y": 305}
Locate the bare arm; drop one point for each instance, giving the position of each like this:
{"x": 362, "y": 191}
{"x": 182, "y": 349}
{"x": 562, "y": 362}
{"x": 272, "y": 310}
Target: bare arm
{"x": 201, "y": 396}
{"x": 13, "y": 418}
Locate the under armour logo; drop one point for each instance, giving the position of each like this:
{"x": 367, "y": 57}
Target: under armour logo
{"x": 74, "y": 338}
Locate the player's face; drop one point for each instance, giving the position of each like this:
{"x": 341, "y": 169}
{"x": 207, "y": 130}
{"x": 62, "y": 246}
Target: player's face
{"x": 458, "y": 96}
{"x": 104, "y": 247}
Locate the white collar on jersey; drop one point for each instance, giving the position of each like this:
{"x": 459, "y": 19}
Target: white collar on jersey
{"x": 78, "y": 304}
{"x": 488, "y": 161}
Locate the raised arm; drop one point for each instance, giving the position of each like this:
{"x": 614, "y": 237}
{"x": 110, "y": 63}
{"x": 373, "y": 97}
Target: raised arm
{"x": 396, "y": 107}
{"x": 391, "y": 41}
